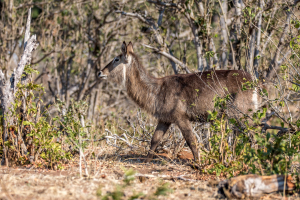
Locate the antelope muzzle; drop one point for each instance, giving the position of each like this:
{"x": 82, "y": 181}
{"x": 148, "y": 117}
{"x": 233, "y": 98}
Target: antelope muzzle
{"x": 102, "y": 75}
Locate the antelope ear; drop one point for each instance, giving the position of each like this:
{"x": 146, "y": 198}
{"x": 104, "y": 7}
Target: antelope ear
{"x": 124, "y": 48}
{"x": 129, "y": 48}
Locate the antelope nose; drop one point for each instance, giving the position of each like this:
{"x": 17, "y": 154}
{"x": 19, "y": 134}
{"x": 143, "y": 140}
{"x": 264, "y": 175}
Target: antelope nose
{"x": 101, "y": 75}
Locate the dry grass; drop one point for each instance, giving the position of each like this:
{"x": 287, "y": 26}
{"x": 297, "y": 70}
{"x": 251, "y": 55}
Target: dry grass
{"x": 104, "y": 174}
{"x": 25, "y": 184}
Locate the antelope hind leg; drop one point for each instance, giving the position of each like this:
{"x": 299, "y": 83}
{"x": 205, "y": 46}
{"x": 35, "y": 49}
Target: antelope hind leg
{"x": 160, "y": 130}
{"x": 186, "y": 130}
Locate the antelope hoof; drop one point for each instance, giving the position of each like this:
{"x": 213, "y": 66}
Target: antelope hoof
{"x": 148, "y": 159}
{"x": 195, "y": 164}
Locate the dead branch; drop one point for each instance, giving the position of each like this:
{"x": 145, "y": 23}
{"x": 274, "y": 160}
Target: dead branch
{"x": 165, "y": 177}
{"x": 174, "y": 5}
{"x": 153, "y": 27}
{"x": 248, "y": 186}
{"x": 181, "y": 64}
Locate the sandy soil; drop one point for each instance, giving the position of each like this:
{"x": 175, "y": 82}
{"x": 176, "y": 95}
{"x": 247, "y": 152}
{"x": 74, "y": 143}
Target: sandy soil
{"x": 105, "y": 174}
{"x": 24, "y": 183}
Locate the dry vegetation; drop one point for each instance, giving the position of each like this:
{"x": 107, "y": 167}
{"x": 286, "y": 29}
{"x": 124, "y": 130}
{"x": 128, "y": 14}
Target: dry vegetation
{"x": 106, "y": 174}
{"x": 46, "y": 184}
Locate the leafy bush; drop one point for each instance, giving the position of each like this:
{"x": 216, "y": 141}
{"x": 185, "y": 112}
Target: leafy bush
{"x": 71, "y": 122}
{"x": 38, "y": 138}
{"x": 274, "y": 155}
{"x": 250, "y": 151}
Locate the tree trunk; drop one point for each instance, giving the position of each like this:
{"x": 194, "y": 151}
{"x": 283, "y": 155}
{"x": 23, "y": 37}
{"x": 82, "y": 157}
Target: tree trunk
{"x": 258, "y": 38}
{"x": 8, "y": 87}
{"x": 224, "y": 49}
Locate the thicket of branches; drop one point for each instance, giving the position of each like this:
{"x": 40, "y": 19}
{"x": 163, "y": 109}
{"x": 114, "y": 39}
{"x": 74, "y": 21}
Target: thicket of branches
{"x": 77, "y": 38}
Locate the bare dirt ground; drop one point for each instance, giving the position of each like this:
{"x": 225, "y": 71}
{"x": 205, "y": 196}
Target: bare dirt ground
{"x": 105, "y": 174}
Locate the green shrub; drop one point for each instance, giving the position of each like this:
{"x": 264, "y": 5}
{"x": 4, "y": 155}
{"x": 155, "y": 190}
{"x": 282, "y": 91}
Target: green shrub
{"x": 251, "y": 151}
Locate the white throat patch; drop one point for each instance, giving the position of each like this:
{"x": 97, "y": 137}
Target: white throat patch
{"x": 124, "y": 69}
{"x": 124, "y": 75}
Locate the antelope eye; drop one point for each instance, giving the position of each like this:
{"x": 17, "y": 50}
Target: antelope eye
{"x": 117, "y": 59}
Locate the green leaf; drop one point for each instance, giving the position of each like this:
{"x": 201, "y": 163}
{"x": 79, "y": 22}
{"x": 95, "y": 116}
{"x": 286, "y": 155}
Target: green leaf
{"x": 27, "y": 123}
{"x": 281, "y": 103}
{"x": 163, "y": 190}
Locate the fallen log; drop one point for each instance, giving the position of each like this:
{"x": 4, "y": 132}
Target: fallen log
{"x": 255, "y": 186}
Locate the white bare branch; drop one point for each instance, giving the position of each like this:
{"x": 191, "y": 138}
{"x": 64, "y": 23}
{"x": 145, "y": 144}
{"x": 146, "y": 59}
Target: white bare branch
{"x": 181, "y": 64}
{"x": 8, "y": 87}
{"x": 25, "y": 59}
{"x": 254, "y": 186}
{"x": 27, "y": 31}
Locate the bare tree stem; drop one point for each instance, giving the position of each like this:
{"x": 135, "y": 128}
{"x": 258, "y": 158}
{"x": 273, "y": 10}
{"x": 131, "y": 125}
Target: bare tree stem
{"x": 8, "y": 87}
{"x": 156, "y": 50}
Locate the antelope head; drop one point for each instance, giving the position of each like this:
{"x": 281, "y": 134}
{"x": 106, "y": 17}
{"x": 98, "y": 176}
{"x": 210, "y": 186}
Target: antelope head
{"x": 116, "y": 69}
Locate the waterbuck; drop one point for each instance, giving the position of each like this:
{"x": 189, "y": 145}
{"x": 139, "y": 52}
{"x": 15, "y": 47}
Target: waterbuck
{"x": 180, "y": 98}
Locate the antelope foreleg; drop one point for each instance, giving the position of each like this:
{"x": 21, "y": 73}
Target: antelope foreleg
{"x": 160, "y": 130}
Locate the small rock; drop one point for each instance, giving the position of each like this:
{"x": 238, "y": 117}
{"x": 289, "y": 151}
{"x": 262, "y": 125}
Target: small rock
{"x": 192, "y": 188}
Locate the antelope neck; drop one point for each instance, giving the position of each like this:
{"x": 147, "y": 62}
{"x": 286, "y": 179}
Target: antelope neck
{"x": 142, "y": 87}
